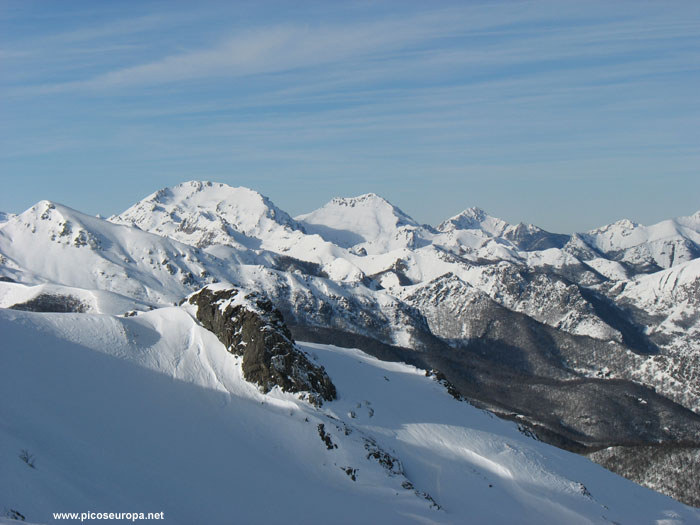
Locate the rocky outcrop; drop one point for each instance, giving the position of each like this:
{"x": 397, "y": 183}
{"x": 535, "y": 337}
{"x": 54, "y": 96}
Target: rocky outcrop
{"x": 250, "y": 326}
{"x": 52, "y": 303}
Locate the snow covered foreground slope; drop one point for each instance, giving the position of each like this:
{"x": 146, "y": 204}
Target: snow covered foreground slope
{"x": 150, "y": 413}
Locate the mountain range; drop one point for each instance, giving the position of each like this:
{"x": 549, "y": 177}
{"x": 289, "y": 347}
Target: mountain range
{"x": 587, "y": 341}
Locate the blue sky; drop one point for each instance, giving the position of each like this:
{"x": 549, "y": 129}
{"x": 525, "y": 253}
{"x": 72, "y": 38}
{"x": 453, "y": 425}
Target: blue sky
{"x": 568, "y": 115}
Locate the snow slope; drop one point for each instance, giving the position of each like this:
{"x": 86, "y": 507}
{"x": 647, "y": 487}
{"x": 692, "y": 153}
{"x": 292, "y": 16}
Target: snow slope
{"x": 475, "y": 222}
{"x": 4, "y": 217}
{"x": 667, "y": 288}
{"x": 664, "y": 244}
{"x": 150, "y": 413}
{"x": 99, "y": 301}
{"x": 369, "y": 223}
{"x": 53, "y": 243}
{"x": 206, "y": 213}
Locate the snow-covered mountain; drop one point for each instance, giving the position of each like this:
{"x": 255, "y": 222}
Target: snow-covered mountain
{"x": 475, "y": 219}
{"x": 576, "y": 326}
{"x": 368, "y": 223}
{"x": 51, "y": 243}
{"x": 152, "y": 414}
{"x": 668, "y": 302}
{"x": 658, "y": 246}
{"x": 525, "y": 237}
{"x": 228, "y": 222}
{"x": 204, "y": 213}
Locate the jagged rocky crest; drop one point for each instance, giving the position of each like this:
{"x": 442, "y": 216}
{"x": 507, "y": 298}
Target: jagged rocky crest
{"x": 250, "y": 326}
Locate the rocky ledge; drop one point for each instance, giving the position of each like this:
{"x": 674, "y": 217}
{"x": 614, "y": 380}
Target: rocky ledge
{"x": 250, "y": 326}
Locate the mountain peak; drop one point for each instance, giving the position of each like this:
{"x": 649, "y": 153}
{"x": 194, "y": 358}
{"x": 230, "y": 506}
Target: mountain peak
{"x": 476, "y": 212}
{"x": 623, "y": 225}
{"x": 368, "y": 218}
{"x": 369, "y": 201}
{"x": 474, "y": 219}
{"x": 204, "y": 193}
{"x": 648, "y": 248}
{"x": 360, "y": 199}
{"x": 203, "y": 213}
{"x": 46, "y": 210}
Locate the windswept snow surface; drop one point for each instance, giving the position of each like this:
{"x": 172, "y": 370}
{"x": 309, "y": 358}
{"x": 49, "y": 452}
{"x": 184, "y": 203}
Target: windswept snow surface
{"x": 150, "y": 413}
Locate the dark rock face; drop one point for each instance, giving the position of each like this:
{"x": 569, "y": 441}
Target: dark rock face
{"x": 249, "y": 326}
{"x": 530, "y": 238}
{"x": 52, "y": 303}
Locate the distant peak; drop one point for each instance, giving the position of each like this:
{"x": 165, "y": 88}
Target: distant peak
{"x": 205, "y": 186}
{"x": 45, "y": 208}
{"x": 471, "y": 219}
{"x": 360, "y": 199}
{"x": 372, "y": 201}
{"x": 622, "y": 224}
{"x": 475, "y": 213}
{"x": 627, "y": 224}
{"x": 190, "y": 189}
{"x": 200, "y": 211}
{"x": 524, "y": 226}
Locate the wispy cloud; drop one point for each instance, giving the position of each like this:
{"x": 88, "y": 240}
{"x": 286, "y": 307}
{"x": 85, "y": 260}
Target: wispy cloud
{"x": 118, "y": 27}
{"x": 268, "y": 50}
{"x": 434, "y": 41}
{"x": 542, "y": 88}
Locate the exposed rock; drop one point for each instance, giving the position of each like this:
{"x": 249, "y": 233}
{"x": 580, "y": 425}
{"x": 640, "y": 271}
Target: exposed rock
{"x": 52, "y": 303}
{"x": 326, "y": 437}
{"x": 351, "y": 472}
{"x": 390, "y": 463}
{"x": 250, "y": 326}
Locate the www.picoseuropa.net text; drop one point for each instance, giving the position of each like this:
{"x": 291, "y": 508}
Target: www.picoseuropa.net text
{"x": 128, "y": 516}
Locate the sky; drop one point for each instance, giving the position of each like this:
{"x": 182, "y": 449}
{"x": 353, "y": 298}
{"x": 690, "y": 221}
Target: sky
{"x": 564, "y": 114}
